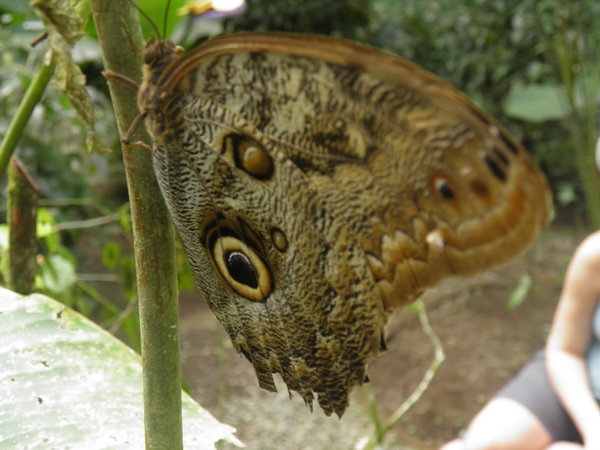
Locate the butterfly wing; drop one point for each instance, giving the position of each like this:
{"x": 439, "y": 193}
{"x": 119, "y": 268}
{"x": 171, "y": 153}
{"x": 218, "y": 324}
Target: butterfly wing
{"x": 350, "y": 179}
{"x": 278, "y": 267}
{"x": 430, "y": 184}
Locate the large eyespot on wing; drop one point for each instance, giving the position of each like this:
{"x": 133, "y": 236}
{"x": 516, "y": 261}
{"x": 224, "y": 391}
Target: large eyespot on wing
{"x": 242, "y": 268}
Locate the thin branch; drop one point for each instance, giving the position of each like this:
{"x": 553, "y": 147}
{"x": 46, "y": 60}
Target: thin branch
{"x": 131, "y": 306}
{"x": 97, "y": 296}
{"x": 89, "y": 223}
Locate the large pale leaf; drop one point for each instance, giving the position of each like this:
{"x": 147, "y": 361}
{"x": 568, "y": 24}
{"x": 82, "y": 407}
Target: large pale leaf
{"x": 65, "y": 383}
{"x": 541, "y": 102}
{"x": 537, "y": 103}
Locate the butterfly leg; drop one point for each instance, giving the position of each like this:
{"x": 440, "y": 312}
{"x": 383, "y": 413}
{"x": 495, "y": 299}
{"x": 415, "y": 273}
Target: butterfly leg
{"x": 140, "y": 144}
{"x": 113, "y": 76}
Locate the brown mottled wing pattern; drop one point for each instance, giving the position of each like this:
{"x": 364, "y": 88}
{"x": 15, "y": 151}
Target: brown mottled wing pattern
{"x": 356, "y": 179}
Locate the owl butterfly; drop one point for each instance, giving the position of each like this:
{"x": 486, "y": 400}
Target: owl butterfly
{"x": 317, "y": 185}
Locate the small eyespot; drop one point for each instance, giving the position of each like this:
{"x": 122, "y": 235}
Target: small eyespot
{"x": 242, "y": 268}
{"x": 279, "y": 240}
{"x": 442, "y": 187}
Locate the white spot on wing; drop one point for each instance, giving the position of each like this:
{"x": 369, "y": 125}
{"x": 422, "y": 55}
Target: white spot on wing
{"x": 435, "y": 239}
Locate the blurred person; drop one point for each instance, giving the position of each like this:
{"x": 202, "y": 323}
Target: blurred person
{"x": 552, "y": 404}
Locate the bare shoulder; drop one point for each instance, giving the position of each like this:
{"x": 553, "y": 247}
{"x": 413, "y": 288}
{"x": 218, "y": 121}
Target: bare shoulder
{"x": 590, "y": 247}
{"x": 589, "y": 250}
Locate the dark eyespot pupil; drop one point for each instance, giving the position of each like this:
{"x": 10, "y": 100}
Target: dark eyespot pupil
{"x": 241, "y": 270}
{"x": 445, "y": 190}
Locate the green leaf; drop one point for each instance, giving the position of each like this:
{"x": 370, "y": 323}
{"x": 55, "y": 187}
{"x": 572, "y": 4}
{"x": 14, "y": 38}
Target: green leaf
{"x": 541, "y": 102}
{"x": 565, "y": 193}
{"x": 66, "y": 383}
{"x": 45, "y": 229}
{"x": 519, "y": 294}
{"x": 131, "y": 327}
{"x": 126, "y": 274}
{"x": 125, "y": 219}
{"x": 58, "y": 274}
{"x": 3, "y": 237}
{"x": 537, "y": 103}
{"x": 3, "y": 248}
{"x": 45, "y": 222}
{"x": 111, "y": 252}
{"x": 15, "y": 6}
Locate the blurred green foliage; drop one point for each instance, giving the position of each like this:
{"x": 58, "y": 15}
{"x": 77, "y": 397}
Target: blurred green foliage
{"x": 481, "y": 47}
{"x": 340, "y": 18}
{"x": 520, "y": 60}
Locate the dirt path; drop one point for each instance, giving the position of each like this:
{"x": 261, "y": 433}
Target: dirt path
{"x": 485, "y": 345}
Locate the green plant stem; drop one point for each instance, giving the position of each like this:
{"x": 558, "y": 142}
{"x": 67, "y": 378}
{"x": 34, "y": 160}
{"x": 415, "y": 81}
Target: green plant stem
{"x": 17, "y": 125}
{"x": 433, "y": 367}
{"x": 222, "y": 357}
{"x": 22, "y": 216}
{"x": 582, "y": 120}
{"x": 583, "y": 136}
{"x": 120, "y": 37}
{"x": 381, "y": 430}
{"x": 99, "y": 298}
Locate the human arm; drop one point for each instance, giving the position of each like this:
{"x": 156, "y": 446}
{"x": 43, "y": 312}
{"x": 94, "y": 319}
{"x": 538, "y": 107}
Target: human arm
{"x": 570, "y": 336}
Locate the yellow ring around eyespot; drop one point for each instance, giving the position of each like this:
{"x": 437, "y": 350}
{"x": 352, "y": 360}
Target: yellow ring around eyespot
{"x": 227, "y": 244}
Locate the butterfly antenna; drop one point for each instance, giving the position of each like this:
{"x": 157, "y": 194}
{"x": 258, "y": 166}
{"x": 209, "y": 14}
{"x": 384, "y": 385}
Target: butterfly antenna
{"x": 166, "y": 17}
{"x": 147, "y": 17}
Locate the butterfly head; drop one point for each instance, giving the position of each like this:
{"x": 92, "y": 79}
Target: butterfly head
{"x": 159, "y": 54}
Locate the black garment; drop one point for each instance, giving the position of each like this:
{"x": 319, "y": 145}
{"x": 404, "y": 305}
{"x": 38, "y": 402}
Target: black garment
{"x": 531, "y": 388}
